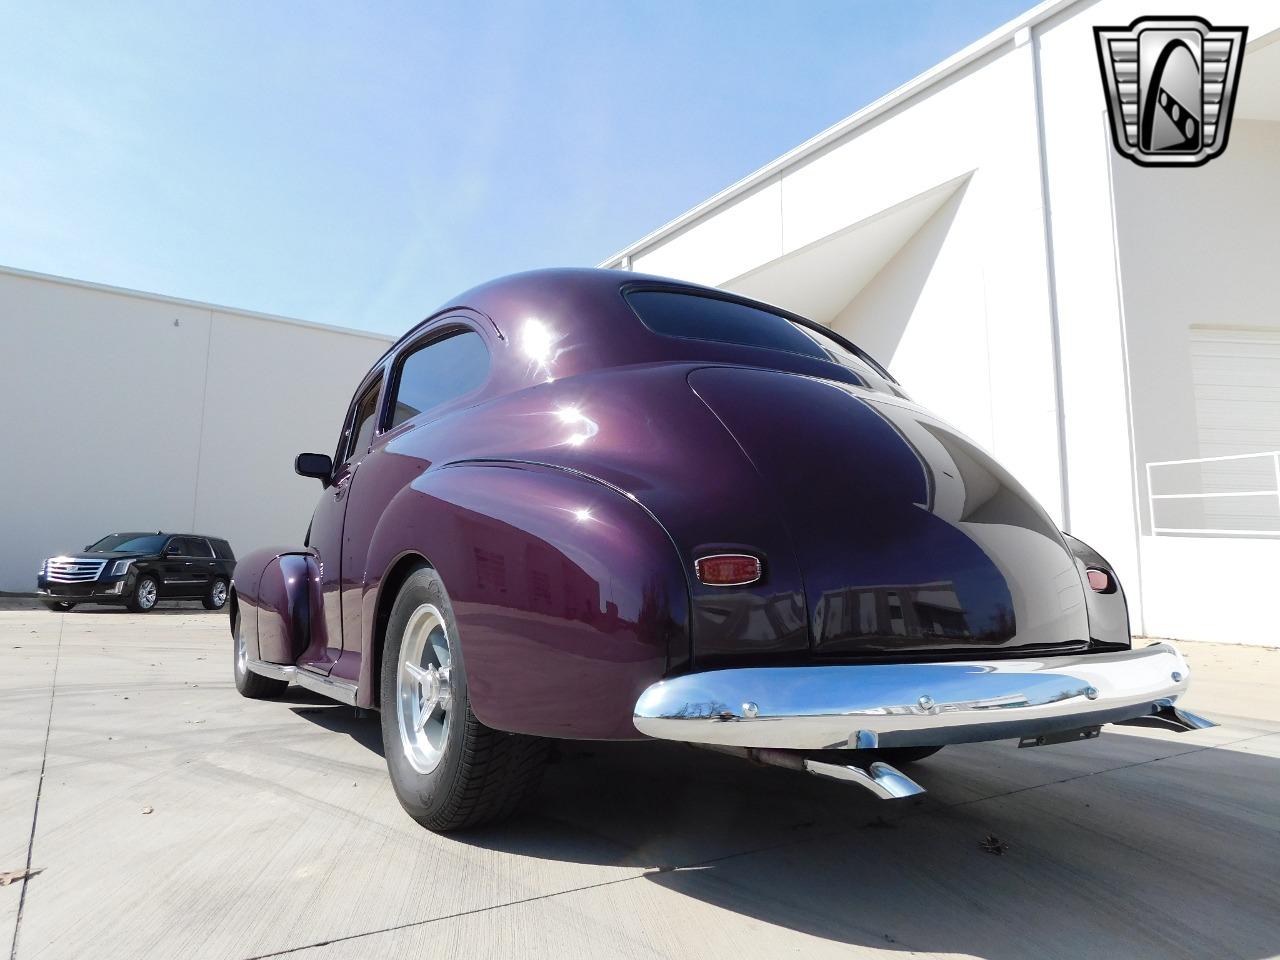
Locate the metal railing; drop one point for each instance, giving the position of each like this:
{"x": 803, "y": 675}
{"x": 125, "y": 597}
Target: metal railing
{"x": 1274, "y": 492}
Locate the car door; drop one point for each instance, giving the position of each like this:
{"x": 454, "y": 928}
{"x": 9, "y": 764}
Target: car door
{"x": 176, "y": 568}
{"x": 431, "y": 375}
{"x": 203, "y": 568}
{"x": 326, "y": 534}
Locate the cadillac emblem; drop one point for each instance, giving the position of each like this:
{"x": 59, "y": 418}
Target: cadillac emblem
{"x": 1170, "y": 84}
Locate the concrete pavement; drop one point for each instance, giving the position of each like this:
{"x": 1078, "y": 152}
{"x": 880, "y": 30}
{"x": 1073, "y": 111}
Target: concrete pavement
{"x": 273, "y": 830}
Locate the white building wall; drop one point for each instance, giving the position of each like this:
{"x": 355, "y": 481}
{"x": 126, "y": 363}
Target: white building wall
{"x": 1226, "y": 237}
{"x": 1133, "y": 252}
{"x": 125, "y": 411}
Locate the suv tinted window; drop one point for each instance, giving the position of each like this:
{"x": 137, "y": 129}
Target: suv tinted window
{"x": 222, "y": 549}
{"x": 178, "y": 547}
{"x": 438, "y": 372}
{"x": 131, "y": 542}
{"x": 709, "y": 318}
{"x": 366, "y": 416}
{"x": 198, "y": 547}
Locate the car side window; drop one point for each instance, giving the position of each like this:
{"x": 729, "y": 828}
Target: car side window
{"x": 360, "y": 434}
{"x": 178, "y": 547}
{"x": 437, "y": 372}
{"x": 199, "y": 547}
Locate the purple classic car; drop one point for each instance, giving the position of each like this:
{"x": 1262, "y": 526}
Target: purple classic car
{"x": 598, "y": 505}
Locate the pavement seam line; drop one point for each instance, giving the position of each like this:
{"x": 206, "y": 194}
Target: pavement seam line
{"x": 795, "y": 841}
{"x": 449, "y": 916}
{"x": 35, "y": 812}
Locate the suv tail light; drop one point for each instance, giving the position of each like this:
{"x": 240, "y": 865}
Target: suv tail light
{"x": 1099, "y": 580}
{"x": 728, "y": 569}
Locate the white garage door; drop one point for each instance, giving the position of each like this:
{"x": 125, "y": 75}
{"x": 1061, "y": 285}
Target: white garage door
{"x": 1236, "y": 377}
{"x": 1236, "y": 374}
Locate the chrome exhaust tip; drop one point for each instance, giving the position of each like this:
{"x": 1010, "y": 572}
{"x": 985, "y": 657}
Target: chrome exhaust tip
{"x": 1165, "y": 715}
{"x": 882, "y": 779}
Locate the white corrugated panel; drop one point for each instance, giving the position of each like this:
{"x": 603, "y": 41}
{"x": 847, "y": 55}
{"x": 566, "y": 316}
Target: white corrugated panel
{"x": 1236, "y": 377}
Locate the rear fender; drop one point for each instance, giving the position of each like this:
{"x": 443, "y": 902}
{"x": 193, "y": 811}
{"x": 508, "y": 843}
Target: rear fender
{"x": 1109, "y": 610}
{"x": 568, "y": 595}
{"x": 276, "y": 590}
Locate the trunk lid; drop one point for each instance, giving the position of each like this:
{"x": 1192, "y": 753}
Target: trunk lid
{"x": 911, "y": 540}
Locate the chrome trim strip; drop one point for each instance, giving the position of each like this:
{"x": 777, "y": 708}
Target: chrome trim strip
{"x": 276, "y": 671}
{"x": 911, "y": 704}
{"x": 331, "y": 687}
{"x": 341, "y": 690}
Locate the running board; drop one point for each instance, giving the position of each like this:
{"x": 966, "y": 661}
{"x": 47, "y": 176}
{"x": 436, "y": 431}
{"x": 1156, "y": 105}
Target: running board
{"x": 331, "y": 687}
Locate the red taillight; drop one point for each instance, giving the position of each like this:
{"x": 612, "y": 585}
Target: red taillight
{"x": 1099, "y": 580}
{"x": 728, "y": 569}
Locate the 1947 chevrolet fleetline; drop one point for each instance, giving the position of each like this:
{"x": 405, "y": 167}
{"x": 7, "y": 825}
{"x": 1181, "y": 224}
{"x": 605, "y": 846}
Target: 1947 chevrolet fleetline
{"x": 598, "y": 505}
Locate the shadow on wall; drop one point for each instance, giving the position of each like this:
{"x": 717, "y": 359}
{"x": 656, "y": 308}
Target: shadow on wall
{"x": 877, "y": 317}
{"x": 806, "y": 855}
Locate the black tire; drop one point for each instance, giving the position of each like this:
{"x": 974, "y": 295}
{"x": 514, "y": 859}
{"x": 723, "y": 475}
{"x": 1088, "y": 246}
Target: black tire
{"x": 142, "y": 599}
{"x": 61, "y": 606}
{"x": 897, "y": 755}
{"x": 215, "y": 598}
{"x": 250, "y": 684}
{"x": 481, "y": 775}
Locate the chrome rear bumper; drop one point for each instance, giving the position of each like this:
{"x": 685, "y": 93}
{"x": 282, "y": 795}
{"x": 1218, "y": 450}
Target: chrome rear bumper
{"x": 914, "y": 704}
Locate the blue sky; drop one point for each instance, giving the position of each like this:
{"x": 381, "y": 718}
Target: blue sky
{"x": 359, "y": 164}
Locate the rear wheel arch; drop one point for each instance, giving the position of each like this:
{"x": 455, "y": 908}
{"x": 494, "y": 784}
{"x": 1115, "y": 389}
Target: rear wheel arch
{"x": 585, "y": 626}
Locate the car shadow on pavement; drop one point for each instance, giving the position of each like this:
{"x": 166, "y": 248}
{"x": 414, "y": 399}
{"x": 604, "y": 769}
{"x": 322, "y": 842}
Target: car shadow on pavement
{"x": 336, "y": 717}
{"x": 1014, "y": 855}
{"x": 1125, "y": 847}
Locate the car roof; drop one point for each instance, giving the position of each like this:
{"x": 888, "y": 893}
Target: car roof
{"x": 162, "y": 533}
{"x": 584, "y": 308}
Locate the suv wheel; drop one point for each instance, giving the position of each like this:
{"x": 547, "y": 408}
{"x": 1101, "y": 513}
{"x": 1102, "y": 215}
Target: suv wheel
{"x": 448, "y": 769}
{"x": 145, "y": 594}
{"x": 216, "y": 596}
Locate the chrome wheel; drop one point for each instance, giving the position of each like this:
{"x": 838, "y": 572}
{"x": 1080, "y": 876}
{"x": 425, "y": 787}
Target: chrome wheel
{"x": 147, "y": 594}
{"x": 424, "y": 697}
{"x": 242, "y": 650}
{"x": 218, "y": 595}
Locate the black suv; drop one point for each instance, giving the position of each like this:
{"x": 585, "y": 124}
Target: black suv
{"x": 138, "y": 570}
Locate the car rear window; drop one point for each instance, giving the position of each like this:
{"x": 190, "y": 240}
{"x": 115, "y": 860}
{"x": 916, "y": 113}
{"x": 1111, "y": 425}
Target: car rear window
{"x": 699, "y": 317}
{"x": 710, "y": 318}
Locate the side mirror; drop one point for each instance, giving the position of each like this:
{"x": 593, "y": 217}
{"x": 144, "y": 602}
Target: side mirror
{"x": 317, "y": 465}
